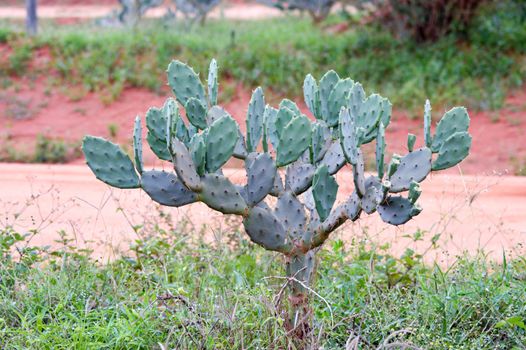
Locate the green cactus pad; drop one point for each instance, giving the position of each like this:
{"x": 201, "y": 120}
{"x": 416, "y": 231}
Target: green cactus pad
{"x": 411, "y": 139}
{"x": 398, "y": 210}
{"x": 181, "y": 131}
{"x": 109, "y": 163}
{"x": 414, "y": 166}
{"x": 373, "y": 194}
{"x": 185, "y": 83}
{"x": 240, "y": 150}
{"x": 255, "y": 116}
{"x": 334, "y": 159}
{"x": 327, "y": 83}
{"x": 321, "y": 140}
{"x": 212, "y": 83}
{"x": 393, "y": 165}
{"x": 380, "y": 150}
{"x": 414, "y": 192}
{"x": 353, "y": 207}
{"x": 356, "y": 98}
{"x": 358, "y": 171}
{"x": 290, "y": 105}
{"x": 291, "y": 214}
{"x": 215, "y": 113}
{"x": 427, "y": 125}
{"x": 196, "y": 113}
{"x": 166, "y": 189}
{"x": 220, "y": 142}
{"x": 455, "y": 120}
{"x": 156, "y": 122}
{"x": 453, "y": 151}
{"x": 269, "y": 126}
{"x": 184, "y": 165}
{"x": 137, "y": 145}
{"x": 220, "y": 194}
{"x": 372, "y": 111}
{"x": 197, "y": 149}
{"x": 261, "y": 172}
{"x": 324, "y": 190}
{"x": 338, "y": 99}
{"x": 348, "y": 138}
{"x": 283, "y": 118}
{"x": 311, "y": 96}
{"x": 278, "y": 188}
{"x": 299, "y": 177}
{"x": 294, "y": 140}
{"x": 264, "y": 229}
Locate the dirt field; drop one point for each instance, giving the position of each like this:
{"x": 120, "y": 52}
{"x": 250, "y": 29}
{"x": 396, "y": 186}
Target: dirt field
{"x": 469, "y": 213}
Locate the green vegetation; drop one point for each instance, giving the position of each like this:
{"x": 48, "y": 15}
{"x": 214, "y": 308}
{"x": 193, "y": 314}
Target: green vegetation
{"x": 277, "y": 54}
{"x": 47, "y": 150}
{"x": 175, "y": 290}
{"x": 309, "y": 154}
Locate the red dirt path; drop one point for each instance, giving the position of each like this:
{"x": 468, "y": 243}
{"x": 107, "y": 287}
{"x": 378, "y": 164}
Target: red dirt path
{"x": 498, "y": 144}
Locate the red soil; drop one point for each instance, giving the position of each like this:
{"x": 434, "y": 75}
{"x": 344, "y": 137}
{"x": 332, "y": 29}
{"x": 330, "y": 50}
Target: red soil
{"x": 497, "y": 144}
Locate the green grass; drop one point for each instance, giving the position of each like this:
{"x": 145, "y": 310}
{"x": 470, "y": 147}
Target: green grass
{"x": 173, "y": 289}
{"x": 277, "y": 54}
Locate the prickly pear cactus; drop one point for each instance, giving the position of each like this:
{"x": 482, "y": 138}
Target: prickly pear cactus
{"x": 288, "y": 156}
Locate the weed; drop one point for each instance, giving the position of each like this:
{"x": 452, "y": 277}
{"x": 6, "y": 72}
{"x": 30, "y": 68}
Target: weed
{"x": 166, "y": 291}
{"x": 49, "y": 150}
{"x": 113, "y": 130}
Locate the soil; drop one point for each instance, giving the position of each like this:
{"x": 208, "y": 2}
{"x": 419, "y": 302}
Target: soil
{"x": 30, "y": 108}
{"x": 465, "y": 214}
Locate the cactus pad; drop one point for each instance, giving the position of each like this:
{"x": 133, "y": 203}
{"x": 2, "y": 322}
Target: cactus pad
{"x": 156, "y": 122}
{"x": 410, "y": 142}
{"x": 261, "y": 172}
{"x": 184, "y": 165}
{"x": 324, "y": 190}
{"x": 109, "y": 163}
{"x": 220, "y": 194}
{"x": 291, "y": 213}
{"x": 334, "y": 158}
{"x": 197, "y": 149}
{"x": 299, "y": 176}
{"x": 137, "y": 145}
{"x": 380, "y": 150}
{"x": 428, "y": 141}
{"x": 221, "y": 140}
{"x": 196, "y": 113}
{"x": 398, "y": 210}
{"x": 255, "y": 114}
{"x": 327, "y": 83}
{"x": 265, "y": 229}
{"x": 358, "y": 171}
{"x": 185, "y": 83}
{"x": 453, "y": 151}
{"x": 212, "y": 83}
{"x": 294, "y": 140}
{"x": 338, "y": 99}
{"x": 414, "y": 166}
{"x": 348, "y": 137}
{"x": 311, "y": 96}
{"x": 166, "y": 189}
{"x": 455, "y": 120}
{"x": 321, "y": 140}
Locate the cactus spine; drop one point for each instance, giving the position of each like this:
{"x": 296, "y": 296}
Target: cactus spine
{"x": 311, "y": 153}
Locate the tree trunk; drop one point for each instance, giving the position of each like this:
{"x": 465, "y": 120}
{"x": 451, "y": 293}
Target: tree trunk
{"x": 31, "y": 18}
{"x": 300, "y": 270}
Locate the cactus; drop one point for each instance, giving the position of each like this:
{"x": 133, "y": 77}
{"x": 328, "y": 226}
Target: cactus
{"x": 306, "y": 210}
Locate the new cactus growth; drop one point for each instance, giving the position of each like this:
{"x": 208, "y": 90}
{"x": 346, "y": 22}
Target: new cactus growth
{"x": 281, "y": 143}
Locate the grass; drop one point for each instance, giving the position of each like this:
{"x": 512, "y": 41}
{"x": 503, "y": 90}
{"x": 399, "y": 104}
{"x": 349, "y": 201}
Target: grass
{"x": 277, "y": 54}
{"x": 174, "y": 291}
{"x": 47, "y": 150}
